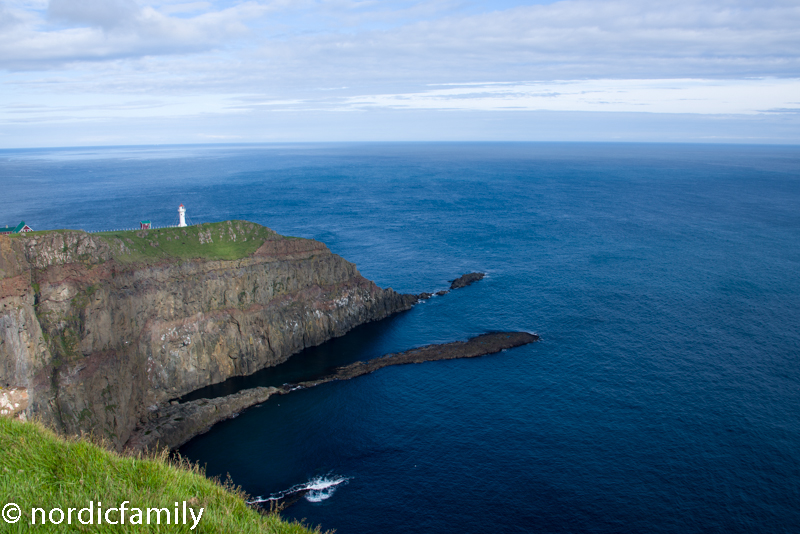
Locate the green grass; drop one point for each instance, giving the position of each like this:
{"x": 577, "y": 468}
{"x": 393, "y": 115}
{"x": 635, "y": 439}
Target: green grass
{"x": 35, "y": 233}
{"x": 229, "y": 240}
{"x": 41, "y": 470}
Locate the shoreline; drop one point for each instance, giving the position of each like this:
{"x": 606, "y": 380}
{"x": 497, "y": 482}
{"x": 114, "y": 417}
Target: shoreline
{"x": 174, "y": 424}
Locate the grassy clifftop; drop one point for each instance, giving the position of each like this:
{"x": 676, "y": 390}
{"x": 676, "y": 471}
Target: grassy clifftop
{"x": 40, "y": 470}
{"x": 228, "y": 240}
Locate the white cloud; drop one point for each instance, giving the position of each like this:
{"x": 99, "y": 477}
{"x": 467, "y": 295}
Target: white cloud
{"x": 106, "y": 107}
{"x": 7, "y": 18}
{"x": 188, "y": 7}
{"x": 564, "y": 40}
{"x": 673, "y": 96}
{"x": 105, "y": 14}
{"x": 107, "y": 60}
{"x": 345, "y": 41}
{"x": 705, "y": 97}
{"x": 102, "y": 30}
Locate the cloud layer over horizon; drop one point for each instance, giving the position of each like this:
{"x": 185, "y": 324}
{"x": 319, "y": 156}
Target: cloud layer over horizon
{"x": 99, "y": 62}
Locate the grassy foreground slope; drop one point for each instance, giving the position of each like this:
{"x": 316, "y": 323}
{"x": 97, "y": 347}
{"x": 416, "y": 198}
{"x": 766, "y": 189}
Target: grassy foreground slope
{"x": 39, "y": 469}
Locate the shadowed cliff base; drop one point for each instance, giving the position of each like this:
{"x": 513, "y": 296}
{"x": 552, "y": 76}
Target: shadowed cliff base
{"x": 174, "y": 424}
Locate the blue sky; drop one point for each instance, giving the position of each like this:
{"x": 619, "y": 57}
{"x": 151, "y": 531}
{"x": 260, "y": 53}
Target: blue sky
{"x": 111, "y": 72}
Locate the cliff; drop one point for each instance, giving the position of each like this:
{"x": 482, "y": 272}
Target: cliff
{"x": 97, "y": 330}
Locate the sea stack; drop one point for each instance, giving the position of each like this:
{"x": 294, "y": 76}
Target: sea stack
{"x": 466, "y": 279}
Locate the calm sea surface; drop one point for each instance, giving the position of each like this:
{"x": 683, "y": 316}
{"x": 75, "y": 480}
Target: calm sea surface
{"x": 664, "y": 280}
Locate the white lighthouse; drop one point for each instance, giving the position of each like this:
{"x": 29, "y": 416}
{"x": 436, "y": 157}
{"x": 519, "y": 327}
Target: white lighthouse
{"x": 181, "y": 216}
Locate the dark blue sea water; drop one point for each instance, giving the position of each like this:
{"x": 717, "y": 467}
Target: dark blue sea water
{"x": 664, "y": 395}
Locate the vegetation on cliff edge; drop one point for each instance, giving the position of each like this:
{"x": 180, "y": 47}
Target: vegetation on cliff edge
{"x": 228, "y": 240}
{"x": 41, "y": 470}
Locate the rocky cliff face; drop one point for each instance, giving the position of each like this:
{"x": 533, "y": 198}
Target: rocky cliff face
{"x": 96, "y": 337}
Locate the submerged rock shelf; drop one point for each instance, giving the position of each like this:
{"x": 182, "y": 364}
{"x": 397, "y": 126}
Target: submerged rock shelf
{"x": 174, "y": 424}
{"x": 477, "y": 346}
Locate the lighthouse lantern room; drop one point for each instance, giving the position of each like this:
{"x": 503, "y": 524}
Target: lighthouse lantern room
{"x": 181, "y": 216}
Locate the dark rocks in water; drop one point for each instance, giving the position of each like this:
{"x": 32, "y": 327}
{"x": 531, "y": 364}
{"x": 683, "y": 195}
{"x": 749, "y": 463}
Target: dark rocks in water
{"x": 466, "y": 279}
{"x": 426, "y": 296}
{"x": 172, "y": 425}
{"x": 477, "y": 346}
{"x": 277, "y": 505}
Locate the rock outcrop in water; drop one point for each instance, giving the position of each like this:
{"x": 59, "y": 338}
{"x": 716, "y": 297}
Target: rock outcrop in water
{"x": 466, "y": 279}
{"x": 98, "y": 330}
{"x": 174, "y": 424}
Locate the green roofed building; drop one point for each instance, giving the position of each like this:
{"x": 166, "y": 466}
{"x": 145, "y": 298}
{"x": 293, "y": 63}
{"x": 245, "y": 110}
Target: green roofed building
{"x": 144, "y": 225}
{"x": 21, "y": 228}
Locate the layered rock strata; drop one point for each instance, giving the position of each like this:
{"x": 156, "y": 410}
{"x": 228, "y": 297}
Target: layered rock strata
{"x": 98, "y": 336}
{"x": 174, "y": 424}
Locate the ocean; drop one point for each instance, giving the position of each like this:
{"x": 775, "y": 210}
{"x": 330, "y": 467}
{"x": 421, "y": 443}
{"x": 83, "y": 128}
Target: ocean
{"x": 663, "y": 397}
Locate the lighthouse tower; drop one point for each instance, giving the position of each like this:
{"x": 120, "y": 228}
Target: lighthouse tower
{"x": 181, "y": 216}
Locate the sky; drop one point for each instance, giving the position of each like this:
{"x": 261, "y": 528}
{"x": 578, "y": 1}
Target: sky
{"x": 131, "y": 72}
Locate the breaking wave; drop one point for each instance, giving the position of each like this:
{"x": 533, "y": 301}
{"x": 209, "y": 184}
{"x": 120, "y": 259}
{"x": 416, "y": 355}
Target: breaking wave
{"x": 317, "y": 489}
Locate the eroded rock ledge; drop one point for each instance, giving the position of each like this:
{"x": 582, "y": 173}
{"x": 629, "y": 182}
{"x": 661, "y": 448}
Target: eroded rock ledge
{"x": 171, "y": 425}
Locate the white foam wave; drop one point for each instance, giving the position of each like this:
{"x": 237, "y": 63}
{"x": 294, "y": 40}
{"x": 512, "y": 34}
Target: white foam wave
{"x": 317, "y": 489}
